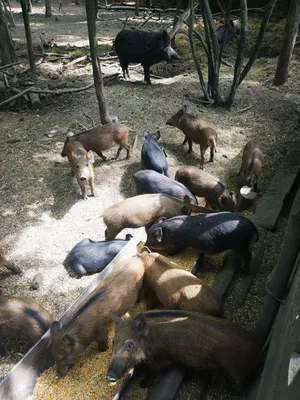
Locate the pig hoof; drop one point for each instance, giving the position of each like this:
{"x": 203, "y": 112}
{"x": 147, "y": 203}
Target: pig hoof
{"x": 84, "y": 197}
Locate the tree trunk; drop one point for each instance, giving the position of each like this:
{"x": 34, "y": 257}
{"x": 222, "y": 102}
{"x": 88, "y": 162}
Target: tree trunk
{"x": 7, "y": 50}
{"x": 91, "y": 12}
{"x": 28, "y": 36}
{"x": 137, "y": 8}
{"x": 48, "y": 13}
{"x": 29, "y": 6}
{"x": 290, "y": 35}
{"x": 176, "y": 17}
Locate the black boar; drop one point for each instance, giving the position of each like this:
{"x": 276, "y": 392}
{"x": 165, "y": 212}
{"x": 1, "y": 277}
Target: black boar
{"x": 202, "y": 184}
{"x": 25, "y": 318}
{"x": 196, "y": 130}
{"x": 153, "y": 156}
{"x": 227, "y": 32}
{"x": 177, "y": 289}
{"x": 101, "y": 138}
{"x": 208, "y": 233}
{"x": 147, "y": 48}
{"x": 194, "y": 340}
{"x": 148, "y": 181}
{"x": 144, "y": 210}
{"x": 88, "y": 257}
{"x": 81, "y": 163}
{"x": 117, "y": 293}
{"x": 252, "y": 162}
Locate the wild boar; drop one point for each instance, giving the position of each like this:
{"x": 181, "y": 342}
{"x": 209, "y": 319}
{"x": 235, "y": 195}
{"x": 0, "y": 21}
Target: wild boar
{"x": 117, "y": 293}
{"x": 144, "y": 210}
{"x": 252, "y": 162}
{"x": 177, "y": 289}
{"x": 194, "y": 340}
{"x": 196, "y": 130}
{"x": 101, "y": 138}
{"x": 208, "y": 233}
{"x": 227, "y": 32}
{"x": 147, "y": 48}
{"x": 203, "y": 184}
{"x": 153, "y": 156}
{"x": 88, "y": 257}
{"x": 8, "y": 264}
{"x": 25, "y": 318}
{"x": 148, "y": 181}
{"x": 81, "y": 164}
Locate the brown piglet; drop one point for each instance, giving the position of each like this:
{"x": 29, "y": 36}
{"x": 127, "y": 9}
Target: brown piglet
{"x": 196, "y": 130}
{"x": 175, "y": 288}
{"x": 8, "y": 264}
{"x": 117, "y": 293}
{"x": 25, "y": 318}
{"x": 144, "y": 210}
{"x": 193, "y": 340}
{"x": 101, "y": 138}
{"x": 203, "y": 184}
{"x": 81, "y": 163}
{"x": 252, "y": 162}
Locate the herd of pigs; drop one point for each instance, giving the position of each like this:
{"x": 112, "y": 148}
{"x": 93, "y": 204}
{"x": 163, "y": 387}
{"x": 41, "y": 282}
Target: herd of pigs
{"x": 187, "y": 325}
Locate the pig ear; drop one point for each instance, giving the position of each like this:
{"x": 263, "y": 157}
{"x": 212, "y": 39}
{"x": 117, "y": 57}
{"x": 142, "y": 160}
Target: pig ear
{"x": 115, "y": 318}
{"x": 55, "y": 328}
{"x": 69, "y": 134}
{"x": 164, "y": 152}
{"x": 146, "y": 134}
{"x": 158, "y": 234}
{"x": 140, "y": 325}
{"x": 157, "y": 134}
{"x": 67, "y": 341}
{"x": 145, "y": 249}
{"x": 184, "y": 108}
{"x": 90, "y": 156}
{"x": 161, "y": 219}
{"x": 128, "y": 236}
{"x": 186, "y": 209}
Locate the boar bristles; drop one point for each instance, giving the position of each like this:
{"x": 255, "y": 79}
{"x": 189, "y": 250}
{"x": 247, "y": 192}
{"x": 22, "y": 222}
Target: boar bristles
{"x": 140, "y": 325}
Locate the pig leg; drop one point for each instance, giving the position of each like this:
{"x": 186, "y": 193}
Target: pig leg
{"x": 91, "y": 183}
{"x": 82, "y": 187}
{"x": 111, "y": 234}
{"x": 212, "y": 152}
{"x": 147, "y": 73}
{"x": 79, "y": 269}
{"x": 190, "y": 145}
{"x": 102, "y": 338}
{"x": 123, "y": 146}
{"x": 202, "y": 151}
{"x": 184, "y": 141}
{"x": 101, "y": 155}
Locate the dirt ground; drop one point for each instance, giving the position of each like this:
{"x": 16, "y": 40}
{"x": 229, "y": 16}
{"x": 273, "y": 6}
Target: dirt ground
{"x": 42, "y": 215}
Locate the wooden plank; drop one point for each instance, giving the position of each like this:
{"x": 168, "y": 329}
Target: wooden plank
{"x": 271, "y": 202}
{"x": 20, "y": 382}
{"x": 225, "y": 275}
{"x": 281, "y": 374}
{"x": 240, "y": 294}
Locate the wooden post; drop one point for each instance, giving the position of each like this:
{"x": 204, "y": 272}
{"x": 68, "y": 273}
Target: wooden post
{"x": 281, "y": 273}
{"x": 28, "y": 36}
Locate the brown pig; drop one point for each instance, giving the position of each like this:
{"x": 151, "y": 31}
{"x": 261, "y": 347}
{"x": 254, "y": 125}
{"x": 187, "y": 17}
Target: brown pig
{"x": 8, "y": 264}
{"x": 117, "y": 293}
{"x": 203, "y": 184}
{"x": 144, "y": 210}
{"x": 21, "y": 317}
{"x": 101, "y": 138}
{"x": 81, "y": 163}
{"x": 177, "y": 289}
{"x": 194, "y": 340}
{"x": 196, "y": 130}
{"x": 252, "y": 161}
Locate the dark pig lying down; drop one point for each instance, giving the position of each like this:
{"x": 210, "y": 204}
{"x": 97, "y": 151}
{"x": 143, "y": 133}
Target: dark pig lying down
{"x": 147, "y": 48}
{"x": 209, "y": 233}
{"x": 149, "y": 181}
{"x": 194, "y": 340}
{"x": 89, "y": 257}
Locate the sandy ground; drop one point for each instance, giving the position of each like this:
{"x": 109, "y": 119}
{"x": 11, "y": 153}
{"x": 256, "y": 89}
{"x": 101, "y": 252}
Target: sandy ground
{"x": 42, "y": 215}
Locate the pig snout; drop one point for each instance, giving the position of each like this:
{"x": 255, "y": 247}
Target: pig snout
{"x": 170, "y": 54}
{"x": 117, "y": 369}
{"x": 82, "y": 178}
{"x": 112, "y": 376}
